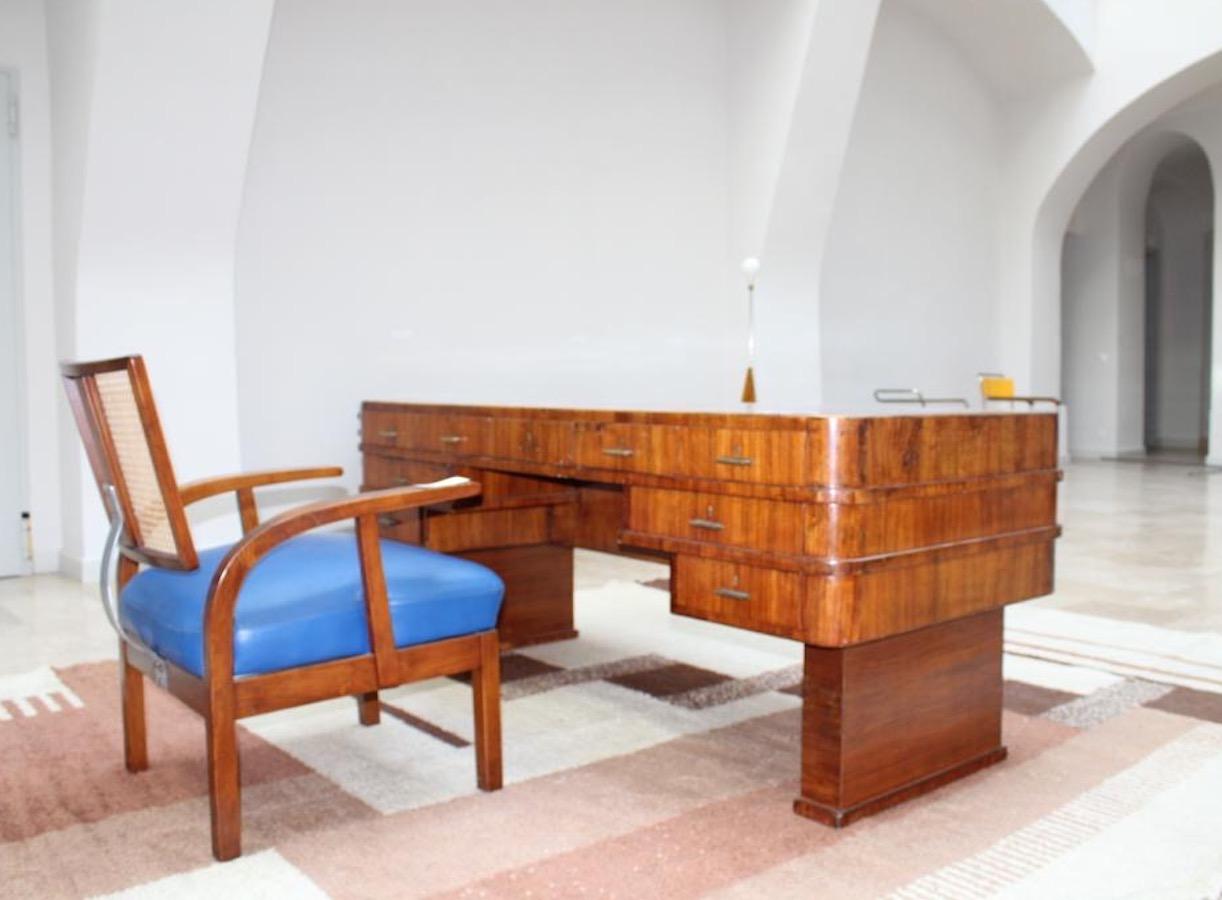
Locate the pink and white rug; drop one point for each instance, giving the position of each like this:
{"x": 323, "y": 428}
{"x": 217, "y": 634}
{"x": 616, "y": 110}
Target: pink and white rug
{"x": 653, "y": 756}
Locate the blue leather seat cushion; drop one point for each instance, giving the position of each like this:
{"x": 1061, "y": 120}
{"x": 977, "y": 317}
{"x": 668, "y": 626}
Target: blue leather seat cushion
{"x": 303, "y": 603}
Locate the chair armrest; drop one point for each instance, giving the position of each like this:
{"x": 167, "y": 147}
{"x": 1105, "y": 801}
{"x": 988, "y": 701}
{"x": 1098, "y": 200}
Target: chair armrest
{"x": 244, "y": 486}
{"x": 194, "y": 491}
{"x": 246, "y": 553}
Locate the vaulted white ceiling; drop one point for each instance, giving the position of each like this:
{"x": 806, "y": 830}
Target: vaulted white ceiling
{"x": 1022, "y": 47}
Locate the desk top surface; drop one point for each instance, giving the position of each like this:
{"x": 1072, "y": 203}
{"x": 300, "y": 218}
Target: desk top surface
{"x": 736, "y": 416}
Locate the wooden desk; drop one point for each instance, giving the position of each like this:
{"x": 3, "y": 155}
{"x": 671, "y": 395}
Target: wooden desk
{"x": 886, "y": 544}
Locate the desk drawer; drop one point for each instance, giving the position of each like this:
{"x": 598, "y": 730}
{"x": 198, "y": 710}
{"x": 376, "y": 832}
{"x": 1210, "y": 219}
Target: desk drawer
{"x": 387, "y": 472}
{"x": 451, "y": 435}
{"x": 532, "y": 440}
{"x": 652, "y": 449}
{"x": 772, "y": 525}
{"x": 761, "y": 457}
{"x": 403, "y": 526}
{"x": 479, "y": 530}
{"x": 380, "y": 428}
{"x": 758, "y": 599}
{"x": 719, "y": 454}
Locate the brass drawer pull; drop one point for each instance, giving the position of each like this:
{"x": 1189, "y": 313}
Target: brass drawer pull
{"x": 617, "y": 451}
{"x": 707, "y": 524}
{"x": 399, "y": 480}
{"x": 735, "y": 460}
{"x": 732, "y": 594}
{"x": 452, "y": 438}
{"x": 388, "y": 521}
{"x": 392, "y": 433}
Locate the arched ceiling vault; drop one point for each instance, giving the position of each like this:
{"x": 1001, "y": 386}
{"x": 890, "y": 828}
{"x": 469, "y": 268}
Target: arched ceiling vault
{"x": 1020, "y": 47}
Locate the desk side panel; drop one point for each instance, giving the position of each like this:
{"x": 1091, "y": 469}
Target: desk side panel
{"x": 898, "y": 596}
{"x": 910, "y": 450}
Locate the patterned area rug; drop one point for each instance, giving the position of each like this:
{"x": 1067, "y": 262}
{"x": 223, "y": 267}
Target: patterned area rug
{"x": 653, "y": 756}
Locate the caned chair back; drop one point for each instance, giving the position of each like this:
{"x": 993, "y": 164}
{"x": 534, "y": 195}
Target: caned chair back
{"x": 113, "y": 406}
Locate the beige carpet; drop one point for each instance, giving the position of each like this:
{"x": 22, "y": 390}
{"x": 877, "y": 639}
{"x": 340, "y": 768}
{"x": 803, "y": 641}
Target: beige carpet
{"x": 652, "y": 760}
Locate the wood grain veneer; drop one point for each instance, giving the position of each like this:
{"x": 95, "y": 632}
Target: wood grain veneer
{"x": 473, "y": 530}
{"x": 750, "y": 597}
{"x": 887, "y": 544}
{"x": 718, "y": 519}
{"x": 538, "y": 604}
{"x": 883, "y": 719}
{"x": 530, "y": 439}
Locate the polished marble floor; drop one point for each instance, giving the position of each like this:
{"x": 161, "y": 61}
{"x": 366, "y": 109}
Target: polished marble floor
{"x": 1142, "y": 543}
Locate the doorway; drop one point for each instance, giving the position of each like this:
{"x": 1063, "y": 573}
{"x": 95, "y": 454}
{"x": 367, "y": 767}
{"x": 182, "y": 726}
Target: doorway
{"x": 12, "y": 468}
{"x": 1178, "y": 306}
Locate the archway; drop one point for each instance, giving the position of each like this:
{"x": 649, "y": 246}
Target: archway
{"x": 1136, "y": 271}
{"x": 1064, "y": 146}
{"x": 1179, "y": 296}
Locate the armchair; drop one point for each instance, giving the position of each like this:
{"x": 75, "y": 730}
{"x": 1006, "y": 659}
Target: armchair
{"x": 282, "y": 617}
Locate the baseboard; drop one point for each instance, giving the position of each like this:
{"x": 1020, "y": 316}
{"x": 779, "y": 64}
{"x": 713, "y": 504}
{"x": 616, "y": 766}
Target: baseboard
{"x": 1187, "y": 445}
{"x": 1084, "y": 454}
{"x": 1091, "y": 454}
{"x": 83, "y": 570}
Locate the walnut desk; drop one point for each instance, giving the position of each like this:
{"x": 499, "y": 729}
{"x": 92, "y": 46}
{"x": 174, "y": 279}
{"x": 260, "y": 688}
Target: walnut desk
{"x": 888, "y": 545}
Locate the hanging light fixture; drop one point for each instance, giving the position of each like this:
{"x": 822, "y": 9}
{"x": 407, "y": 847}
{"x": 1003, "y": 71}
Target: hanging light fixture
{"x": 750, "y": 268}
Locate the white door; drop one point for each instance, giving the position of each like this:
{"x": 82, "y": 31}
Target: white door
{"x": 12, "y": 469}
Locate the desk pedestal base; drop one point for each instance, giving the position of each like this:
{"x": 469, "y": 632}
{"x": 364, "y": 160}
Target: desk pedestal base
{"x": 538, "y": 605}
{"x": 839, "y": 817}
{"x": 891, "y": 719}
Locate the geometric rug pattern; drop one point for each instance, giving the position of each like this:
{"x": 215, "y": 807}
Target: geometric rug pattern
{"x": 653, "y": 756}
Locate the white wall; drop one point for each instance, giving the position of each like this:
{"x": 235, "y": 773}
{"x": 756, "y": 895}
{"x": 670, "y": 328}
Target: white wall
{"x": 546, "y": 202}
{"x": 23, "y": 50}
{"x": 72, "y": 39}
{"x": 767, "y": 52}
{"x": 1080, "y": 17}
{"x": 1180, "y": 222}
{"x": 434, "y": 211}
{"x": 154, "y": 109}
{"x": 789, "y": 374}
{"x": 1098, "y": 280}
{"x": 469, "y": 202}
{"x": 909, "y": 279}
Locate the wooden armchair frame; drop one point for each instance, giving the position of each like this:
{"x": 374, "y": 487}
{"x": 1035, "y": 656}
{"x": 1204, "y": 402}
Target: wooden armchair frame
{"x": 218, "y": 696}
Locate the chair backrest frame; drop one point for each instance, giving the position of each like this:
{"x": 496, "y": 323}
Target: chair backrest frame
{"x": 93, "y": 420}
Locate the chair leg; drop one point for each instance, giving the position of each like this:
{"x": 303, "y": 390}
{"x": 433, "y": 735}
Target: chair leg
{"x": 486, "y": 681}
{"x": 131, "y": 690}
{"x": 224, "y": 786}
{"x": 369, "y": 709}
